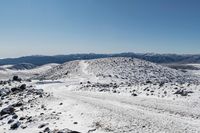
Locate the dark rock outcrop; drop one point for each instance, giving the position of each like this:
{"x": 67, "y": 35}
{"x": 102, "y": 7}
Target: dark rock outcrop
{"x": 8, "y": 110}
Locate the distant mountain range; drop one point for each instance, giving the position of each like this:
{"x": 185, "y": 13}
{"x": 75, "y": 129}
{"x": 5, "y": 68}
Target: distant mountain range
{"x": 156, "y": 58}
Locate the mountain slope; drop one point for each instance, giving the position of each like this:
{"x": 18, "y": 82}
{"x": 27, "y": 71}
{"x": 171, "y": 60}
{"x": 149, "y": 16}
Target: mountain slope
{"x": 6, "y": 72}
{"x": 22, "y": 66}
{"x": 118, "y": 69}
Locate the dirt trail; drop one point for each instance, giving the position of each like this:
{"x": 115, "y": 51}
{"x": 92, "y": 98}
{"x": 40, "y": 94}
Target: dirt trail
{"x": 85, "y": 75}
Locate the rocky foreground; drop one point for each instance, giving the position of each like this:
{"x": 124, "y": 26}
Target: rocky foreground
{"x": 81, "y": 105}
{"x": 21, "y": 98}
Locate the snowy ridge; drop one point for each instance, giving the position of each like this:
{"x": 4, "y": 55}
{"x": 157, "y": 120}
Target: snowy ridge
{"x": 61, "y": 71}
{"x": 6, "y": 73}
{"x": 22, "y": 66}
{"x": 134, "y": 71}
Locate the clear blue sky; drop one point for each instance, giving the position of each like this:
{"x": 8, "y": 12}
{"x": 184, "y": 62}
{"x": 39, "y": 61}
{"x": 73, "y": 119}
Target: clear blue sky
{"x": 49, "y": 27}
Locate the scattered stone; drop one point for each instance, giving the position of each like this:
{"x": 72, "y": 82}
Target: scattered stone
{"x": 47, "y": 130}
{"x": 23, "y": 126}
{"x": 43, "y": 125}
{"x": 8, "y": 110}
{"x": 18, "y": 104}
{"x": 41, "y": 113}
{"x": 16, "y": 78}
{"x": 15, "y": 125}
{"x": 91, "y": 130}
{"x": 183, "y": 92}
{"x": 42, "y": 106}
{"x": 15, "y": 116}
{"x": 29, "y": 118}
{"x": 22, "y": 87}
{"x": 133, "y": 94}
{"x": 22, "y": 108}
{"x": 22, "y": 118}
{"x": 75, "y": 123}
{"x": 10, "y": 121}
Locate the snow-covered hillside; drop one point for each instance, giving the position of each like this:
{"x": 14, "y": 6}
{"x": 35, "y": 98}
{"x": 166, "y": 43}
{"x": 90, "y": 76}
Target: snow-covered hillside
{"x": 130, "y": 70}
{"x": 22, "y": 66}
{"x": 110, "y": 95}
{"x": 195, "y": 72}
{"x": 124, "y": 75}
{"x": 136, "y": 71}
{"x": 8, "y": 71}
{"x": 61, "y": 71}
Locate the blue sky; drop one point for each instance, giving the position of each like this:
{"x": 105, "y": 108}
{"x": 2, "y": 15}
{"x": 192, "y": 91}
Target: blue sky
{"x": 50, "y": 27}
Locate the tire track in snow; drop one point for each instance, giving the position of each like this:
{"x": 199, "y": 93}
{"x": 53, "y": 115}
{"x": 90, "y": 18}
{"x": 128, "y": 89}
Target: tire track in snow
{"x": 133, "y": 115}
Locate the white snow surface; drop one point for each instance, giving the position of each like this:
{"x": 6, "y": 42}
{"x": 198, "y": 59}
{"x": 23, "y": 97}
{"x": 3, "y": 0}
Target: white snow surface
{"x": 195, "y": 72}
{"x": 130, "y": 70}
{"x": 97, "y": 94}
{"x": 6, "y": 73}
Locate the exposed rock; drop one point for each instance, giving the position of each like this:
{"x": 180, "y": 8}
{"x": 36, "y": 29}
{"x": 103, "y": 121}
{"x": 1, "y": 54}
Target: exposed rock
{"x": 8, "y": 110}
{"x": 10, "y": 121}
{"x": 15, "y": 125}
{"x": 16, "y": 78}
{"x": 15, "y": 116}
{"x": 133, "y": 94}
{"x": 35, "y": 91}
{"x": 47, "y": 130}
{"x": 22, "y": 118}
{"x": 22, "y": 87}
{"x": 43, "y": 125}
{"x": 23, "y": 126}
{"x": 18, "y": 104}
{"x": 183, "y": 92}
{"x": 75, "y": 123}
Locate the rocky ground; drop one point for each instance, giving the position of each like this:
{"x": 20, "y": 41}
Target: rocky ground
{"x": 101, "y": 96}
{"x": 18, "y": 100}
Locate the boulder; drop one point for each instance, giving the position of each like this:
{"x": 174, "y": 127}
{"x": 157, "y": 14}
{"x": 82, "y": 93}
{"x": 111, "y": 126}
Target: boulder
{"x": 22, "y": 87}
{"x": 10, "y": 121}
{"x": 134, "y": 94}
{"x": 15, "y": 125}
{"x": 18, "y": 104}
{"x": 14, "y": 116}
{"x": 19, "y": 89}
{"x": 16, "y": 78}
{"x": 8, "y": 110}
{"x": 43, "y": 125}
